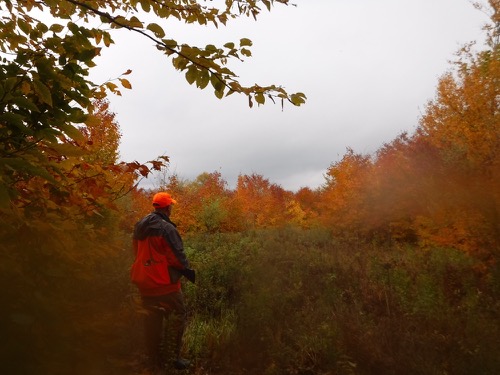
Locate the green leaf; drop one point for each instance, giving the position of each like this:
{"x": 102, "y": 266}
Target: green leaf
{"x": 260, "y": 98}
{"x": 245, "y": 42}
{"x": 216, "y": 83}
{"x": 22, "y": 102}
{"x": 169, "y": 43}
{"x": 43, "y": 92}
{"x": 15, "y": 119}
{"x": 77, "y": 116}
{"x": 156, "y": 29}
{"x": 246, "y": 52}
{"x": 112, "y": 87}
{"x": 191, "y": 74}
{"x": 98, "y": 36}
{"x": 180, "y": 62}
{"x": 73, "y": 28}
{"x": 134, "y": 22}
{"x": 71, "y": 132}
{"x": 297, "y": 99}
{"x": 146, "y": 5}
{"x": 210, "y": 48}
{"x": 88, "y": 54}
{"x": 56, "y": 28}
{"x": 9, "y": 83}
{"x": 22, "y": 165}
{"x": 68, "y": 149}
{"x": 42, "y": 27}
{"x": 202, "y": 79}
{"x": 219, "y": 93}
{"x": 24, "y": 26}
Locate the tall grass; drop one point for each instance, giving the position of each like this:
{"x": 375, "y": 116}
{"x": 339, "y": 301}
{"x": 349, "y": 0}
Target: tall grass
{"x": 277, "y": 301}
{"x": 290, "y": 301}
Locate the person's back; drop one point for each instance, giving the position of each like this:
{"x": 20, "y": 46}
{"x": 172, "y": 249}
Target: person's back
{"x": 159, "y": 263}
{"x": 160, "y": 257}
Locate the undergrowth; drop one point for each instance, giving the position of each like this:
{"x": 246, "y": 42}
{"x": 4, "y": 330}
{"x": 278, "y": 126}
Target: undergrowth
{"x": 270, "y": 302}
{"x": 289, "y": 301}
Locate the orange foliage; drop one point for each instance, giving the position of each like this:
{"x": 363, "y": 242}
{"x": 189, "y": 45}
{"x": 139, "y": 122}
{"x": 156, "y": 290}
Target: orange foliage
{"x": 308, "y": 200}
{"x": 342, "y": 198}
{"x": 58, "y": 231}
{"x": 463, "y": 120}
{"x": 207, "y": 205}
{"x": 264, "y": 204}
{"x": 437, "y": 187}
{"x": 203, "y": 205}
{"x": 102, "y": 134}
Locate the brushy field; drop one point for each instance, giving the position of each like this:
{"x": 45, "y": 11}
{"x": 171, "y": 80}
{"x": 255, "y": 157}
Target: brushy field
{"x": 289, "y": 301}
{"x": 277, "y": 301}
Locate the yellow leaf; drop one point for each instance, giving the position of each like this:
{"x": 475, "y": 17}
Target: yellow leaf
{"x": 98, "y": 37}
{"x": 125, "y": 83}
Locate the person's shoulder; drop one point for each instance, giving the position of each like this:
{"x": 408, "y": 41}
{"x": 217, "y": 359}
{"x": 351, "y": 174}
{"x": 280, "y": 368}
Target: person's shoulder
{"x": 149, "y": 220}
{"x": 145, "y": 218}
{"x": 169, "y": 225}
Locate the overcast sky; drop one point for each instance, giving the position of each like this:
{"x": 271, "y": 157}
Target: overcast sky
{"x": 368, "y": 67}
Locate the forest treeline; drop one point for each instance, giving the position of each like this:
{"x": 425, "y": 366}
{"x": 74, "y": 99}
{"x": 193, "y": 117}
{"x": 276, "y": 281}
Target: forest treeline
{"x": 437, "y": 187}
{"x": 390, "y": 267}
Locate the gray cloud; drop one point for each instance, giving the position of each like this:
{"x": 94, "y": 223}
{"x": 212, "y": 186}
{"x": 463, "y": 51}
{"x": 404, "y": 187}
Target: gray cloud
{"x": 368, "y": 68}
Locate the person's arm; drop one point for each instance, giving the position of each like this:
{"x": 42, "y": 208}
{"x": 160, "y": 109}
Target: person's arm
{"x": 177, "y": 257}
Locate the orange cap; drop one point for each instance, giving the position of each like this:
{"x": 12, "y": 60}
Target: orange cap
{"x": 161, "y": 200}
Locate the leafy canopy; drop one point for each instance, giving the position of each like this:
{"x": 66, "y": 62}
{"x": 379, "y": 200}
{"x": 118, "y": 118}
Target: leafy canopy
{"x": 46, "y": 95}
{"x": 201, "y": 65}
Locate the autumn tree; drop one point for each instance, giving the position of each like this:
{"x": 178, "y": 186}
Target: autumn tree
{"x": 262, "y": 203}
{"x": 56, "y": 236}
{"x": 462, "y": 122}
{"x": 45, "y": 91}
{"x": 438, "y": 186}
{"x": 102, "y": 134}
{"x": 343, "y": 198}
{"x": 202, "y": 204}
{"x": 308, "y": 200}
{"x": 403, "y": 169}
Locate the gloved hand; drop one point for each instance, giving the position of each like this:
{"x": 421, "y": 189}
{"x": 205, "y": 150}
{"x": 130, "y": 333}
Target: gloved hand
{"x": 189, "y": 274}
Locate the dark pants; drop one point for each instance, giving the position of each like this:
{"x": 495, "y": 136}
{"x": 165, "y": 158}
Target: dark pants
{"x": 164, "y": 325}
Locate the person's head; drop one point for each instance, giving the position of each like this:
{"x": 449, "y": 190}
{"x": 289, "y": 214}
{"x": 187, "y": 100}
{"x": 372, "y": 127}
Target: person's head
{"x": 163, "y": 202}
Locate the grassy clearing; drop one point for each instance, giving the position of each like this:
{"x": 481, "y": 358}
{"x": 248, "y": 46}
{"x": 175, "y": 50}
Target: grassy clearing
{"x": 299, "y": 302}
{"x": 281, "y": 301}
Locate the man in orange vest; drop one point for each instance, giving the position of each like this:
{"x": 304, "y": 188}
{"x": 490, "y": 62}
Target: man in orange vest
{"x": 160, "y": 262}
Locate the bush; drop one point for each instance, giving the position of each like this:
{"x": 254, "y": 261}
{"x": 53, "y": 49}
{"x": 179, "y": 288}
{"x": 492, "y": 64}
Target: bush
{"x": 289, "y": 301}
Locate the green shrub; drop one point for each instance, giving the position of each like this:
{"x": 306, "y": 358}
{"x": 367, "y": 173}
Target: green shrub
{"x": 291, "y": 301}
